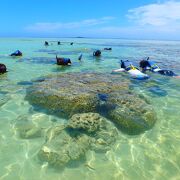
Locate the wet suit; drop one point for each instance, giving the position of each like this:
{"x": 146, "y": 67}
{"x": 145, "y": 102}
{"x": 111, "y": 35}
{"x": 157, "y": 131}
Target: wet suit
{"x": 80, "y": 57}
{"x": 63, "y": 61}
{"x": 127, "y": 65}
{"x": 46, "y": 43}
{"x": 97, "y": 53}
{"x": 16, "y": 53}
{"x": 2, "y": 68}
{"x": 152, "y": 66}
{"x": 132, "y": 70}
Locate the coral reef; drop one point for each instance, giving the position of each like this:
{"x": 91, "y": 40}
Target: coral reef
{"x": 67, "y": 94}
{"x": 88, "y": 122}
{"x": 66, "y": 143}
{"x": 26, "y": 129}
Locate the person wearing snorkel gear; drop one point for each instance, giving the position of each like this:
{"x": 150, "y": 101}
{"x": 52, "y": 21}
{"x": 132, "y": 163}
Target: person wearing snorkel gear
{"x": 131, "y": 69}
{"x": 46, "y": 43}
{"x": 147, "y": 65}
{"x": 127, "y": 65}
{"x": 108, "y": 49}
{"x": 63, "y": 61}
{"x": 16, "y": 53}
{"x": 2, "y": 69}
{"x": 97, "y": 53}
{"x": 80, "y": 57}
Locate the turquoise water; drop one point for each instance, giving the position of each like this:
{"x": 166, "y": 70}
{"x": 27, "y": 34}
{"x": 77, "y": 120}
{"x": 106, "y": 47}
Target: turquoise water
{"x": 154, "y": 154}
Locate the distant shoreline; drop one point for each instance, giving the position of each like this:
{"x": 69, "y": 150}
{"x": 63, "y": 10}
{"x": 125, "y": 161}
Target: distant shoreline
{"x": 81, "y": 37}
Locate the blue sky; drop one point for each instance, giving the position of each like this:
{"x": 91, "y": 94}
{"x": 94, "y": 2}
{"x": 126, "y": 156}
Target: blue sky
{"x": 133, "y": 19}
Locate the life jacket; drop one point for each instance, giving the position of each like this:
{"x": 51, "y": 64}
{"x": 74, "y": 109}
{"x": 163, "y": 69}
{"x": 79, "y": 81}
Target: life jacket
{"x": 153, "y": 65}
{"x": 127, "y": 65}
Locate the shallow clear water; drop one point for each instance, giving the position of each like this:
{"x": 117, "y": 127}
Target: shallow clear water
{"x": 154, "y": 154}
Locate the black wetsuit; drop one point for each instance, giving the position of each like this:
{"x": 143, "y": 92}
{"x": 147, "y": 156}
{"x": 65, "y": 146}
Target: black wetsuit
{"x": 145, "y": 64}
{"x": 97, "y": 53}
{"x": 2, "y": 68}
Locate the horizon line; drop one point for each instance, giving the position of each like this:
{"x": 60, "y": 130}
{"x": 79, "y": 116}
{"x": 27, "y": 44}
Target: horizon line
{"x": 86, "y": 37}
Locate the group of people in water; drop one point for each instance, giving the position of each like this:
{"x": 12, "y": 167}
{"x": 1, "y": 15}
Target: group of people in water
{"x": 3, "y": 68}
{"x": 126, "y": 65}
{"x": 66, "y": 61}
{"x": 46, "y": 43}
{"x": 145, "y": 65}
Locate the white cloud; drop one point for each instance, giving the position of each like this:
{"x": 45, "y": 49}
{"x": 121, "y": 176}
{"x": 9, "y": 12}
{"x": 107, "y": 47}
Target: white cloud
{"x": 152, "y": 21}
{"x": 52, "y": 27}
{"x": 135, "y": 32}
{"x": 159, "y": 14}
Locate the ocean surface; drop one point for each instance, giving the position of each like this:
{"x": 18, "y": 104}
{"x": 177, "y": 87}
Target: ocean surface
{"x": 152, "y": 155}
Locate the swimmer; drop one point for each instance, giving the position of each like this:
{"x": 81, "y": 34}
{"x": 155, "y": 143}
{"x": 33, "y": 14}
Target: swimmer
{"x": 131, "y": 69}
{"x": 16, "y": 53}
{"x": 97, "y": 53}
{"x": 147, "y": 65}
{"x": 63, "y": 61}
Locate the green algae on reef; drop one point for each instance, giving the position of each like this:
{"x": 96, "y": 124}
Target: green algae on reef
{"x": 66, "y": 143}
{"x": 109, "y": 95}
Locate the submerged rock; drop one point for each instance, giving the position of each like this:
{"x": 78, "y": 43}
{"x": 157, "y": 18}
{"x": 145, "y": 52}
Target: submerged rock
{"x": 157, "y": 91}
{"x": 38, "y": 60}
{"x": 132, "y": 114}
{"x": 105, "y": 137}
{"x": 65, "y": 144}
{"x": 33, "y": 132}
{"x": 3, "y": 99}
{"x": 68, "y": 94}
{"x": 89, "y": 122}
{"x": 61, "y": 148}
{"x": 26, "y": 129}
{"x": 24, "y": 83}
{"x": 109, "y": 95}
{"x": 101, "y": 132}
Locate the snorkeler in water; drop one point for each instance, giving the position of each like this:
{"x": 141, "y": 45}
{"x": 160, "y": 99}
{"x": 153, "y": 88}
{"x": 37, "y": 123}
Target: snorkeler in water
{"x": 97, "y": 53}
{"x": 46, "y": 43}
{"x": 80, "y": 57}
{"x": 128, "y": 66}
{"x": 16, "y": 53}
{"x": 148, "y": 65}
{"x": 63, "y": 61}
{"x": 2, "y": 69}
{"x": 108, "y": 49}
